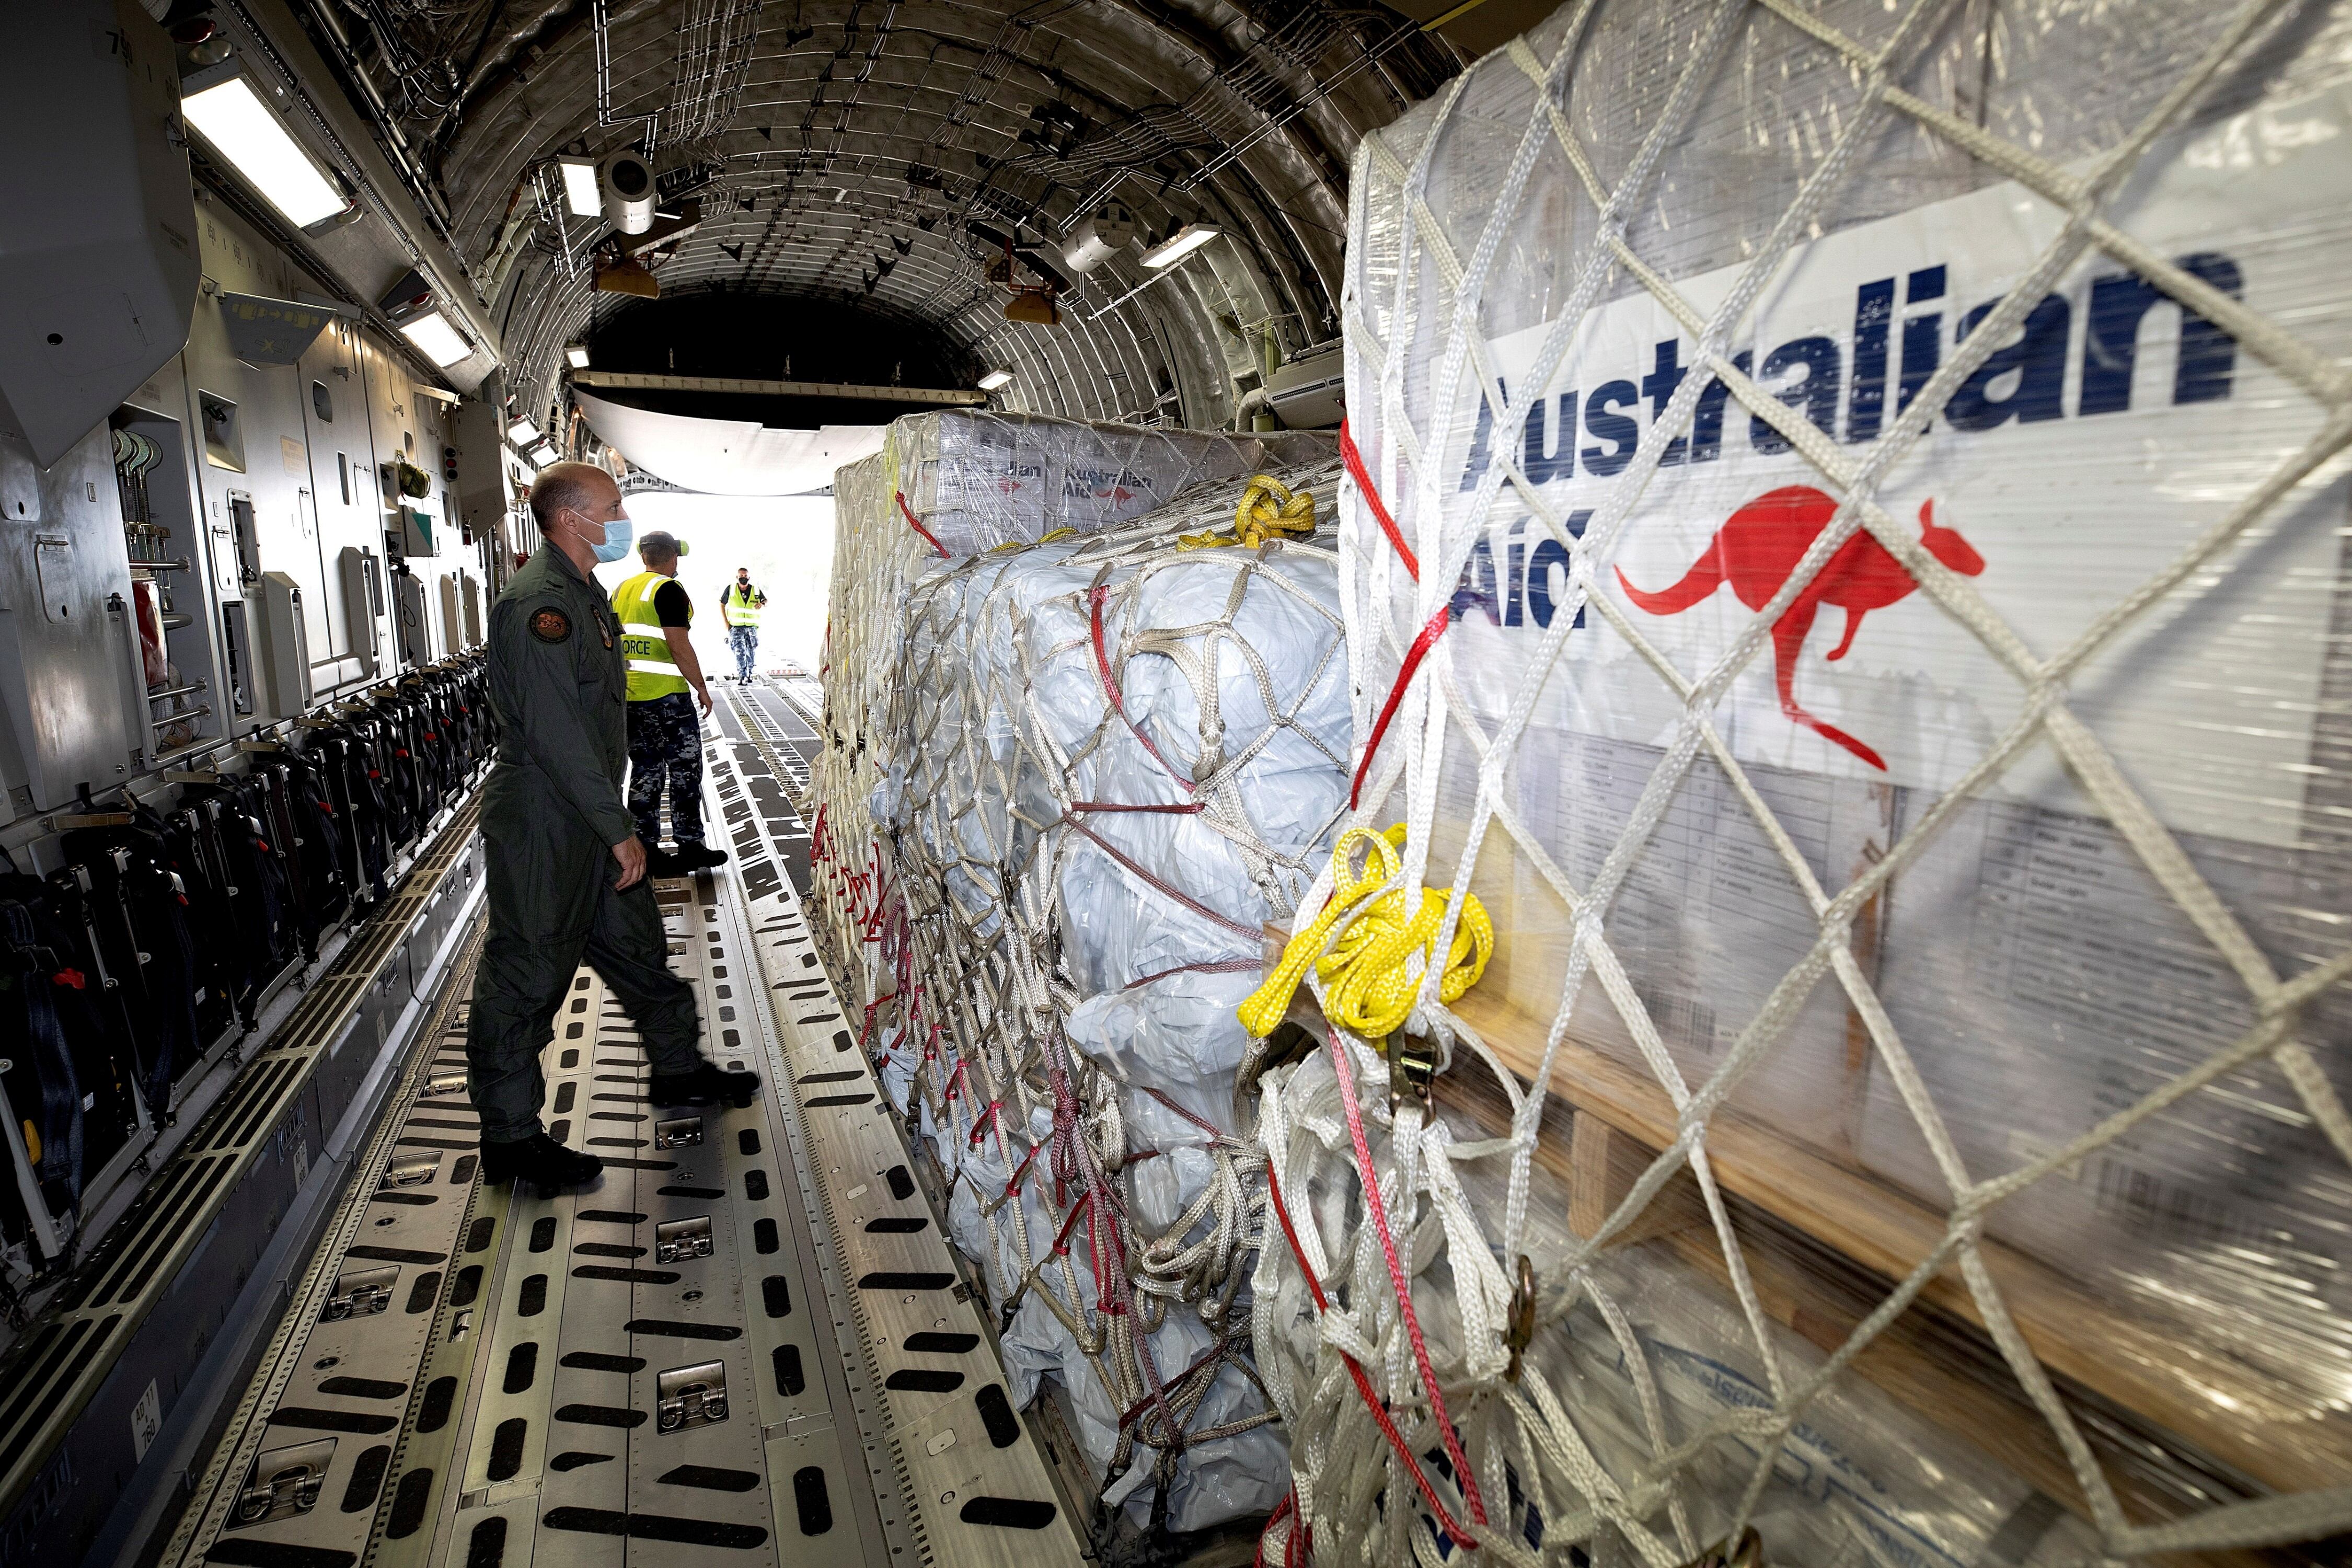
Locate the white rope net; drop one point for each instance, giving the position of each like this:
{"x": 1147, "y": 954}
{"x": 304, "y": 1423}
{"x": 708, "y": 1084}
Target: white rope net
{"x": 1913, "y": 1084}
{"x": 1099, "y": 762}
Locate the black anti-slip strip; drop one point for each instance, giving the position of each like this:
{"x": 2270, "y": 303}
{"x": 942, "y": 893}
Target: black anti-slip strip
{"x": 572, "y": 1459}
{"x": 893, "y": 1279}
{"x": 677, "y": 1331}
{"x": 245, "y": 1551}
{"x": 394, "y": 1255}
{"x": 657, "y": 1527}
{"x": 331, "y": 1420}
{"x": 1007, "y": 1512}
{"x": 601, "y": 1415}
{"x": 710, "y": 1478}
{"x": 628, "y": 1276}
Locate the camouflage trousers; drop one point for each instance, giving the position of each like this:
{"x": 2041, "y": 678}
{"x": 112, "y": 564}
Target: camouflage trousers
{"x": 745, "y": 642}
{"x": 666, "y": 747}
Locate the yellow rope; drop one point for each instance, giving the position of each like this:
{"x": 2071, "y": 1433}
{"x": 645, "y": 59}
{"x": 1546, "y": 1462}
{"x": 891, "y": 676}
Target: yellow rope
{"x": 1370, "y": 980}
{"x": 1025, "y": 544}
{"x": 1268, "y": 510}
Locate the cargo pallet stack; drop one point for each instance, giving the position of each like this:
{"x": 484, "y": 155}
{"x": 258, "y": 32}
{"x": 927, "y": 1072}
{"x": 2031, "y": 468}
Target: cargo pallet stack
{"x": 1903, "y": 1110}
{"x": 1087, "y": 730}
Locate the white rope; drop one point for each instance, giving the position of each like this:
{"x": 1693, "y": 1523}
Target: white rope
{"x": 1414, "y": 304}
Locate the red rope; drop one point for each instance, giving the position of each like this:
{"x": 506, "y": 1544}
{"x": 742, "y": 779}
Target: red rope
{"x": 1110, "y": 683}
{"x": 909, "y": 513}
{"x": 1364, "y": 1387}
{"x": 1355, "y": 461}
{"x": 1412, "y": 658}
{"x": 1377, "y": 1212}
{"x": 1160, "y": 886}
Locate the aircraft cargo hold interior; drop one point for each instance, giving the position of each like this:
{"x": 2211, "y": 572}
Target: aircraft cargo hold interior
{"x": 1018, "y": 782}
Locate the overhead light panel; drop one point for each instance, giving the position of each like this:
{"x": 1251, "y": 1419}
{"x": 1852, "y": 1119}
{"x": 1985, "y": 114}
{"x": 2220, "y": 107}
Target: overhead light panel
{"x": 437, "y": 339}
{"x": 1180, "y": 245}
{"x": 522, "y": 433}
{"x": 580, "y": 192}
{"x": 996, "y": 381}
{"x": 542, "y": 452}
{"x": 247, "y": 132}
{"x": 577, "y": 354}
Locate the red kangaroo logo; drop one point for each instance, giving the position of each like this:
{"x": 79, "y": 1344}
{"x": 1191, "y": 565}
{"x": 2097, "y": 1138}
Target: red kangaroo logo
{"x": 1761, "y": 543}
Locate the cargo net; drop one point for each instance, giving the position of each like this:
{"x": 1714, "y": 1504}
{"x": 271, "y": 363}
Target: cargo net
{"x": 1119, "y": 755}
{"x": 946, "y": 486}
{"x": 1455, "y": 1370}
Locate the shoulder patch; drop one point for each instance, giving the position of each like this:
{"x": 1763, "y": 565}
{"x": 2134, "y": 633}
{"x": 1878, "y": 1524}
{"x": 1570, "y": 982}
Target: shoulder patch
{"x": 550, "y": 624}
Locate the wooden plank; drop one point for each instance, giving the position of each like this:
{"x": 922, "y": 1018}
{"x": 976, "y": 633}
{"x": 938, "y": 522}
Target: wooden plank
{"x": 2226, "y": 1411}
{"x": 2232, "y": 1413}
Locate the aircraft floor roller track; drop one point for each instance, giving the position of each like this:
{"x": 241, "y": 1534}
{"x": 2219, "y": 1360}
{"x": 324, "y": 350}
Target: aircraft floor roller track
{"x": 749, "y": 1345}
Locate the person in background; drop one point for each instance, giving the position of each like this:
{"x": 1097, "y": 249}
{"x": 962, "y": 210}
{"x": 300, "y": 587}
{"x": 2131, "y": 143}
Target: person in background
{"x": 743, "y": 604}
{"x": 665, "y": 736}
{"x": 565, "y": 868}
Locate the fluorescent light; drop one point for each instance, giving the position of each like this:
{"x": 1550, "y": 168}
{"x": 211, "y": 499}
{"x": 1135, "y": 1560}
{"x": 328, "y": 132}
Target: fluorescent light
{"x": 542, "y": 451}
{"x": 995, "y": 380}
{"x": 579, "y": 193}
{"x": 1180, "y": 245}
{"x": 578, "y": 354}
{"x": 523, "y": 432}
{"x": 248, "y": 133}
{"x": 439, "y": 341}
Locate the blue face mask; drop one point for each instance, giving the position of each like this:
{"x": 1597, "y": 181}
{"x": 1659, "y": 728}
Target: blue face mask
{"x": 618, "y": 534}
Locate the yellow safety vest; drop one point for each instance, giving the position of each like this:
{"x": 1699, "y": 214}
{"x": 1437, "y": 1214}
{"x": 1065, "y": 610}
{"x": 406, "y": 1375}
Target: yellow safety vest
{"x": 652, "y": 671}
{"x": 741, "y": 610}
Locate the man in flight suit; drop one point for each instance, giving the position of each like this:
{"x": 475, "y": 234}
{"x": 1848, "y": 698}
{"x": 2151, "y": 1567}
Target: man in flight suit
{"x": 566, "y": 870}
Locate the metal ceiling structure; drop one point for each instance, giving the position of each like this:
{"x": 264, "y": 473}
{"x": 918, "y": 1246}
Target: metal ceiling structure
{"x": 883, "y": 153}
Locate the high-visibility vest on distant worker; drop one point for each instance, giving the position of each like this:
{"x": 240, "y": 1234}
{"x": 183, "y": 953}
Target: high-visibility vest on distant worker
{"x": 652, "y": 672}
{"x": 742, "y": 608}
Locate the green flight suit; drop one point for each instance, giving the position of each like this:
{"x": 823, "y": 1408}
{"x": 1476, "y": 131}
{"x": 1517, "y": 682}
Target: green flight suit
{"x": 550, "y": 813}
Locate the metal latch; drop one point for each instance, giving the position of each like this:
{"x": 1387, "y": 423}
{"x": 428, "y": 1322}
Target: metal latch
{"x": 284, "y": 1482}
{"x": 361, "y": 1293}
{"x": 1413, "y": 1068}
{"x": 678, "y": 1132}
{"x": 452, "y": 1082}
{"x": 1521, "y": 1331}
{"x": 410, "y": 1171}
{"x": 682, "y": 1240}
{"x": 692, "y": 1395}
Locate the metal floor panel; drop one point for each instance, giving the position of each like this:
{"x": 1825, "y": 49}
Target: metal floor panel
{"x": 716, "y": 1352}
{"x": 976, "y": 1474}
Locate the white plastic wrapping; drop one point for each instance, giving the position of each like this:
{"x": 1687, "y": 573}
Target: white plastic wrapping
{"x": 1994, "y": 927}
{"x": 1069, "y": 891}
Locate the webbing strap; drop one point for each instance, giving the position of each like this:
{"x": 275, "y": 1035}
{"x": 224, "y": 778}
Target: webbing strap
{"x": 1429, "y": 632}
{"x": 916, "y": 523}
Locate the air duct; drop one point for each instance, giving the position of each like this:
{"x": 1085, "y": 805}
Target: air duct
{"x": 629, "y": 193}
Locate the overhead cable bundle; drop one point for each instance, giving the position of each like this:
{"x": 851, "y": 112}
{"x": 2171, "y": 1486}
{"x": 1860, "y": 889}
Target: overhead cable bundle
{"x": 1124, "y": 754}
{"x": 1956, "y": 980}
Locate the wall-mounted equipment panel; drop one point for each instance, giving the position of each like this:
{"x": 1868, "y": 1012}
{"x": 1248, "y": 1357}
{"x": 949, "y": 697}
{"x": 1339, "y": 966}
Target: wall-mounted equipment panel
{"x": 98, "y": 260}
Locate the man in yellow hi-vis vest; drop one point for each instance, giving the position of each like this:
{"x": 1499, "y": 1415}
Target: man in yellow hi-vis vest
{"x": 743, "y": 603}
{"x": 665, "y": 737}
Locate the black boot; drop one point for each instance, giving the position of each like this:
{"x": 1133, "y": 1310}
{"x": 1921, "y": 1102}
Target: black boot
{"x": 662, "y": 863}
{"x": 540, "y": 1162}
{"x": 698, "y": 857}
{"x": 705, "y": 1084}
